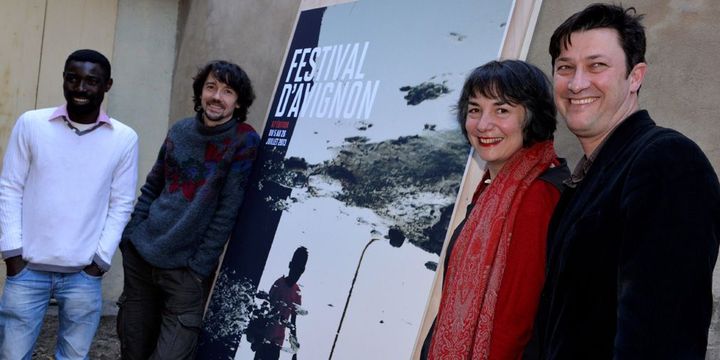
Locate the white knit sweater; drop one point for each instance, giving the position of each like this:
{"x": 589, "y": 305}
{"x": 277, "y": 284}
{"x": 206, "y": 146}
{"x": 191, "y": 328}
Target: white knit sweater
{"x": 65, "y": 198}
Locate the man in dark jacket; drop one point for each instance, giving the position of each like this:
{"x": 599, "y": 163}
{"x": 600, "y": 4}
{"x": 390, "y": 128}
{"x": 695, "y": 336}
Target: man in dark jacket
{"x": 634, "y": 239}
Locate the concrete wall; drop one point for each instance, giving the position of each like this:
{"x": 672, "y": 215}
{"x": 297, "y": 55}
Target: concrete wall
{"x": 143, "y": 62}
{"x": 252, "y": 34}
{"x": 681, "y": 87}
{"x": 72, "y": 25}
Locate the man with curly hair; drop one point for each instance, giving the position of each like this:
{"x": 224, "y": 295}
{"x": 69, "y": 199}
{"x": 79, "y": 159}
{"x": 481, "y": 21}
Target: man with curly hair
{"x": 183, "y": 217}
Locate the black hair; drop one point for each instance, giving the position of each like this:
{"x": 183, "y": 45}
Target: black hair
{"x": 88, "y": 55}
{"x": 300, "y": 256}
{"x": 233, "y": 76}
{"x": 626, "y": 22}
{"x": 517, "y": 83}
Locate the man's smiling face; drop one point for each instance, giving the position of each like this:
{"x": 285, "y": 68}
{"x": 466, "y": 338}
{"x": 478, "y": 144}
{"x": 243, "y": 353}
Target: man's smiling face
{"x": 593, "y": 90}
{"x": 219, "y": 101}
{"x": 84, "y": 87}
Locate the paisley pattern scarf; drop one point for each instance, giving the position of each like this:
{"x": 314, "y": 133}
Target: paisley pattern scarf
{"x": 465, "y": 319}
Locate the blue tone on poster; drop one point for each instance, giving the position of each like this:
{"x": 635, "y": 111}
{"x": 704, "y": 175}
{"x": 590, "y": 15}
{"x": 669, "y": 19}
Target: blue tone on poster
{"x": 360, "y": 166}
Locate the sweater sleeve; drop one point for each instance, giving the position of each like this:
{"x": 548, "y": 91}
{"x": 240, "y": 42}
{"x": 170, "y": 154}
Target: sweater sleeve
{"x": 122, "y": 194}
{"x": 524, "y": 274}
{"x": 229, "y": 202}
{"x": 154, "y": 184}
{"x": 16, "y": 165}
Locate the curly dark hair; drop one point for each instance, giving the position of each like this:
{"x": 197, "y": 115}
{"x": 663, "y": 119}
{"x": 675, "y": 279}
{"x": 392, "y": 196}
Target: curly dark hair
{"x": 625, "y": 21}
{"x": 517, "y": 83}
{"x": 230, "y": 74}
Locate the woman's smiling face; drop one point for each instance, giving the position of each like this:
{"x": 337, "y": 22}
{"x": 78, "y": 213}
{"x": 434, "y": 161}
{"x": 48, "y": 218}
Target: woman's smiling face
{"x": 495, "y": 130}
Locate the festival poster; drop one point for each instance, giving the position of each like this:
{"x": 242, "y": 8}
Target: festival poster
{"x": 335, "y": 248}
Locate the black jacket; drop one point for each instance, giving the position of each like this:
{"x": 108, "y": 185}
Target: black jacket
{"x": 631, "y": 252}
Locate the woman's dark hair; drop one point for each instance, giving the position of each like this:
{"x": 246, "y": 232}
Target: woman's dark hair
{"x": 233, "y": 76}
{"x": 626, "y": 22}
{"x": 517, "y": 83}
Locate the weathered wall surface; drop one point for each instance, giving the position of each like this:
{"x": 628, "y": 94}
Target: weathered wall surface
{"x": 252, "y": 34}
{"x": 20, "y": 68}
{"x": 38, "y": 36}
{"x": 142, "y": 62}
{"x": 681, "y": 87}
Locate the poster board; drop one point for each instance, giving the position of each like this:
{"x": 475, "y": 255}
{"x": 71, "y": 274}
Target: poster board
{"x": 361, "y": 164}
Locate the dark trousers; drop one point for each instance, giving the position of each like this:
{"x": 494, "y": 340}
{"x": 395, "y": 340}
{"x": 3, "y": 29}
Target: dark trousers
{"x": 267, "y": 351}
{"x": 161, "y": 310}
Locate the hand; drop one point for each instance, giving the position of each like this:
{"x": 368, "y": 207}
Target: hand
{"x": 14, "y": 265}
{"x": 93, "y": 270}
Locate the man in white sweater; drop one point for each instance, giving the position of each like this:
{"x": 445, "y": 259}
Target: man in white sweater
{"x": 66, "y": 192}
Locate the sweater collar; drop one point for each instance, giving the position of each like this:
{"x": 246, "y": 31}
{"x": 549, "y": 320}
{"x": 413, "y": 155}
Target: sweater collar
{"x": 213, "y": 130}
{"x": 61, "y": 112}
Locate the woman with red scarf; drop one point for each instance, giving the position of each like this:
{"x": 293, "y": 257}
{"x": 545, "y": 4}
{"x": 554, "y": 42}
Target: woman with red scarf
{"x": 495, "y": 261}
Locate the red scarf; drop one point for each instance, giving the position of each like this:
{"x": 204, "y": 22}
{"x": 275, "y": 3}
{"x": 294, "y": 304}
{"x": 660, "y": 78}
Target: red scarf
{"x": 465, "y": 319}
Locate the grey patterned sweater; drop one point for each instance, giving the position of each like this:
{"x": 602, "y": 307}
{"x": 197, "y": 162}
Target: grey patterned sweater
{"x": 192, "y": 195}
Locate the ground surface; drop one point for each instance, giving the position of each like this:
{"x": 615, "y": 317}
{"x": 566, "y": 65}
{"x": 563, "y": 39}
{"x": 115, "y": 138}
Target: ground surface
{"x": 106, "y": 345}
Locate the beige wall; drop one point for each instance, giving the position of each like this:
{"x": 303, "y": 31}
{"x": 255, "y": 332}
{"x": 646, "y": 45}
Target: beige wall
{"x": 72, "y": 25}
{"x": 19, "y": 68}
{"x": 681, "y": 87}
{"x": 38, "y": 36}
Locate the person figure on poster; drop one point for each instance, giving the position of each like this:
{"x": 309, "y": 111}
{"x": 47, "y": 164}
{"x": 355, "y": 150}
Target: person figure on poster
{"x": 66, "y": 192}
{"x": 184, "y": 216}
{"x": 494, "y": 267}
{"x": 634, "y": 239}
{"x": 284, "y": 297}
